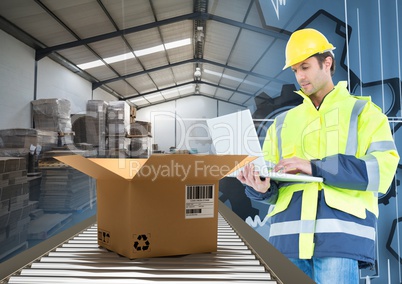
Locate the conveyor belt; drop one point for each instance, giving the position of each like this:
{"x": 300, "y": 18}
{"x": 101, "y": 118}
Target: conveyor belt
{"x": 80, "y": 260}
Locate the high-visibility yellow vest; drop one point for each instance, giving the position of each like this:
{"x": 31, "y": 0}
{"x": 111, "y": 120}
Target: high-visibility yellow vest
{"x": 344, "y": 124}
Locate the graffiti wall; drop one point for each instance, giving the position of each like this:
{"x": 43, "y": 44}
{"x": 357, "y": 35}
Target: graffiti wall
{"x": 366, "y": 34}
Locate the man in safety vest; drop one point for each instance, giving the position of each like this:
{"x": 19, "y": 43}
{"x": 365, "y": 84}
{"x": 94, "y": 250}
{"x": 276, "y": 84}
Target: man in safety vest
{"x": 326, "y": 228}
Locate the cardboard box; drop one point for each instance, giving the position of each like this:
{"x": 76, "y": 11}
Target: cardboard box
{"x": 52, "y": 114}
{"x": 164, "y": 205}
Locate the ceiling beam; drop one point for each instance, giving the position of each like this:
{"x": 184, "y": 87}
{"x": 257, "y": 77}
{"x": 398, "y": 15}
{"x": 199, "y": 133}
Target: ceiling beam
{"x": 195, "y": 60}
{"x": 244, "y": 71}
{"x": 284, "y": 35}
{"x": 157, "y": 91}
{"x": 226, "y": 88}
{"x": 43, "y": 52}
{"x": 40, "y": 53}
{"x": 183, "y": 97}
{"x": 100, "y": 83}
{"x": 185, "y": 84}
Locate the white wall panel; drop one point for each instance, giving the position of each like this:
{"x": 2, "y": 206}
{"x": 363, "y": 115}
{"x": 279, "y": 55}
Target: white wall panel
{"x": 17, "y": 67}
{"x": 162, "y": 118}
{"x": 191, "y": 129}
{"x": 181, "y": 123}
{"x": 226, "y": 108}
{"x": 99, "y": 94}
{"x": 55, "y": 81}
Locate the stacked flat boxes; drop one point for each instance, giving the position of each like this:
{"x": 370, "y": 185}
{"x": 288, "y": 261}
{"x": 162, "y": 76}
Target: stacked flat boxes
{"x": 14, "y": 204}
{"x": 23, "y": 138}
{"x": 118, "y": 124}
{"x": 64, "y": 189}
{"x": 16, "y": 142}
{"x": 52, "y": 114}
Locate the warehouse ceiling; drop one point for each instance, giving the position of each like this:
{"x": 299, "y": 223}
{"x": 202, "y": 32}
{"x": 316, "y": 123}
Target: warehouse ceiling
{"x": 153, "y": 51}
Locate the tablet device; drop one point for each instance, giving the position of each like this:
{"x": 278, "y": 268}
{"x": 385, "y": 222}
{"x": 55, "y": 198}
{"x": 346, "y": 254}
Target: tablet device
{"x": 235, "y": 134}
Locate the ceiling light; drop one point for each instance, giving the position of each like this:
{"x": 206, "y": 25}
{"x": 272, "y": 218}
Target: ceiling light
{"x": 136, "y": 100}
{"x": 218, "y": 74}
{"x": 90, "y": 65}
{"x": 153, "y": 96}
{"x": 197, "y": 73}
{"x": 118, "y": 58}
{"x": 162, "y": 47}
{"x": 138, "y": 53}
{"x": 177, "y": 43}
{"x": 150, "y": 50}
{"x": 199, "y": 34}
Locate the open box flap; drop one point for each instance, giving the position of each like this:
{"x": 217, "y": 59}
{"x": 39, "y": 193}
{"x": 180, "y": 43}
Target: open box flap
{"x": 125, "y": 168}
{"x": 171, "y": 167}
{"x": 242, "y": 164}
{"x": 100, "y": 168}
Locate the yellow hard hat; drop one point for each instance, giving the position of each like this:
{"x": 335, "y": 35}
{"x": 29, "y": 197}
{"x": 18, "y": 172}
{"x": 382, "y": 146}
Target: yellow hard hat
{"x": 303, "y": 44}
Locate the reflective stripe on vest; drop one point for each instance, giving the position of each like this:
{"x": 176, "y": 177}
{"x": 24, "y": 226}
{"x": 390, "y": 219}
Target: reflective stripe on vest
{"x": 373, "y": 173}
{"x": 322, "y": 226}
{"x": 381, "y": 146}
{"x": 308, "y": 214}
{"x": 279, "y": 125}
{"x": 373, "y": 169}
{"x": 351, "y": 144}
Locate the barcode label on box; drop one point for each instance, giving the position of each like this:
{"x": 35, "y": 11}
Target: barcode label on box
{"x": 199, "y": 201}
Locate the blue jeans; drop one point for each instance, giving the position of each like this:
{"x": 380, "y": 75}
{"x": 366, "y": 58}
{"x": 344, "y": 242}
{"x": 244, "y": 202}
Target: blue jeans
{"x": 329, "y": 270}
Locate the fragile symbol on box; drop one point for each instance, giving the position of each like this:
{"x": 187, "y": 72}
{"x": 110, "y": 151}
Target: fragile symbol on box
{"x": 104, "y": 237}
{"x": 142, "y": 243}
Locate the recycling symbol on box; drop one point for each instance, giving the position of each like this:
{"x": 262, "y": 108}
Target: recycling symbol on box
{"x": 142, "y": 243}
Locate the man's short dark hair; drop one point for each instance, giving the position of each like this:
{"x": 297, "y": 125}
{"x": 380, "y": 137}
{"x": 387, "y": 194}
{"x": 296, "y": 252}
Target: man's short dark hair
{"x": 321, "y": 58}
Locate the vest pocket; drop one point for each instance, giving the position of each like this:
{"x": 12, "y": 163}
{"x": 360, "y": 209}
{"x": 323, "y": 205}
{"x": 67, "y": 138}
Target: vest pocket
{"x": 349, "y": 201}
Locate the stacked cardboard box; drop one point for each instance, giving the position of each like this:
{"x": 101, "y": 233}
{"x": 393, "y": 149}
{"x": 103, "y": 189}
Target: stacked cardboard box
{"x": 118, "y": 146}
{"x": 25, "y": 142}
{"x": 96, "y": 122}
{"x": 140, "y": 139}
{"x": 52, "y": 115}
{"x": 118, "y": 118}
{"x": 118, "y": 127}
{"x": 25, "y": 137}
{"x": 133, "y": 114}
{"x": 140, "y": 146}
{"x": 79, "y": 126}
{"x": 14, "y": 205}
{"x": 34, "y": 187}
{"x": 140, "y": 128}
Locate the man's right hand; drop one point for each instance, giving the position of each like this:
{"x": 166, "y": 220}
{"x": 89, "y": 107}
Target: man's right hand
{"x": 252, "y": 178}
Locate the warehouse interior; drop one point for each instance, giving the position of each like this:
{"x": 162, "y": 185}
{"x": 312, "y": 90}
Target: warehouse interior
{"x": 129, "y": 79}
